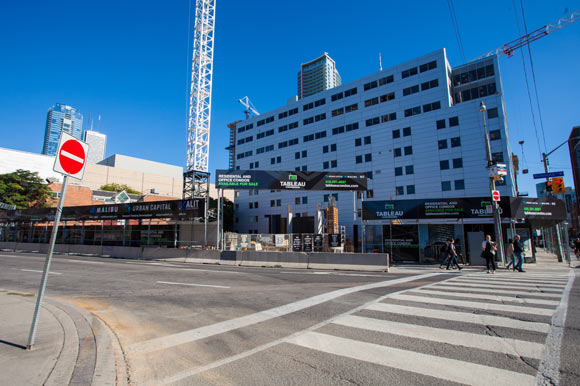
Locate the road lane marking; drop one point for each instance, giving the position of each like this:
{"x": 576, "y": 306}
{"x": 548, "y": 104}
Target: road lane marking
{"x": 511, "y": 283}
{"x": 192, "y": 284}
{"x": 458, "y": 338}
{"x": 549, "y": 369}
{"x": 476, "y": 305}
{"x": 81, "y": 261}
{"x": 448, "y": 369}
{"x": 533, "y": 290}
{"x": 33, "y": 270}
{"x": 457, "y": 316}
{"x": 498, "y": 291}
{"x": 488, "y": 296}
{"x": 195, "y": 334}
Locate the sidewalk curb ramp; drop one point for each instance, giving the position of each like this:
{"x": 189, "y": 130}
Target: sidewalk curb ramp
{"x": 90, "y": 355}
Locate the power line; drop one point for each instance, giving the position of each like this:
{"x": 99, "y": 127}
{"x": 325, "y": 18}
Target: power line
{"x": 527, "y": 83}
{"x": 456, "y": 28}
{"x": 534, "y": 79}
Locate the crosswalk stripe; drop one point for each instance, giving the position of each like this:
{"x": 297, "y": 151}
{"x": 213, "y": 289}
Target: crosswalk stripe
{"x": 459, "y": 338}
{"x": 532, "y": 290}
{"x": 491, "y": 296}
{"x": 477, "y": 305}
{"x": 497, "y": 291}
{"x": 511, "y": 283}
{"x": 457, "y": 316}
{"x": 514, "y": 280}
{"x": 443, "y": 368}
{"x": 520, "y": 276}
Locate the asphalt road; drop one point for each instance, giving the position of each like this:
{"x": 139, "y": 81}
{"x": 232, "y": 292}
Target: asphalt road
{"x": 185, "y": 324}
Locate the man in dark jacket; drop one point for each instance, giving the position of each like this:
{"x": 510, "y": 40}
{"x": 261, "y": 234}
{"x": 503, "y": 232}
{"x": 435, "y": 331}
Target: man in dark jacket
{"x": 518, "y": 250}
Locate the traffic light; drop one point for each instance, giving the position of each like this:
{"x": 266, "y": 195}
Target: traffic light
{"x": 549, "y": 186}
{"x": 558, "y": 185}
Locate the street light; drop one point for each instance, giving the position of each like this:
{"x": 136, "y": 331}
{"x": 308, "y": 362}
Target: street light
{"x": 495, "y": 204}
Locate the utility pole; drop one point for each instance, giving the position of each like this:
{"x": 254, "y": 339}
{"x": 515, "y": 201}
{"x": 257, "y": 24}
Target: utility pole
{"x": 495, "y": 204}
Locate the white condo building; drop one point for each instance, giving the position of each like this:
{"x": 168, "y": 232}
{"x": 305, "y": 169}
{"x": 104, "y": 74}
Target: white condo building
{"x": 97, "y": 146}
{"x": 414, "y": 128}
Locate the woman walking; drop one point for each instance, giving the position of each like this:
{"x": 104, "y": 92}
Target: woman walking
{"x": 510, "y": 255}
{"x": 488, "y": 247}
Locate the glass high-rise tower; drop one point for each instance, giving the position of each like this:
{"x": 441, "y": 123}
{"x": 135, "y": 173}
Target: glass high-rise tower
{"x": 61, "y": 118}
{"x": 317, "y": 75}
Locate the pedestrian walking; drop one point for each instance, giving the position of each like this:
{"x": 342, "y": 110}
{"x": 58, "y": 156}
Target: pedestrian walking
{"x": 488, "y": 252}
{"x": 518, "y": 250}
{"x": 445, "y": 253}
{"x": 452, "y": 255}
{"x": 510, "y": 255}
{"x": 460, "y": 257}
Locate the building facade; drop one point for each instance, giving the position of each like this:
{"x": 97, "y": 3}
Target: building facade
{"x": 415, "y": 129}
{"x": 61, "y": 118}
{"x": 317, "y": 75}
{"x": 97, "y": 145}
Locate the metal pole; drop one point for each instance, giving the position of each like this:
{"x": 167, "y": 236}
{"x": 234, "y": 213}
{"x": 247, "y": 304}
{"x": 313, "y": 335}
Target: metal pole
{"x": 495, "y": 204}
{"x": 217, "y": 243}
{"x": 174, "y": 234}
{"x": 206, "y": 219}
{"x": 222, "y": 239}
{"x": 83, "y": 232}
{"x": 47, "y": 262}
{"x": 124, "y": 231}
{"x": 391, "y": 237}
{"x": 149, "y": 232}
{"x": 102, "y": 231}
{"x": 363, "y": 225}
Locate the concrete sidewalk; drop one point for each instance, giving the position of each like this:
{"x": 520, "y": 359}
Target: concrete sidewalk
{"x": 72, "y": 346}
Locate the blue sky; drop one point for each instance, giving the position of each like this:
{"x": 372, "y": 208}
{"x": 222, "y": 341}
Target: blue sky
{"x": 128, "y": 61}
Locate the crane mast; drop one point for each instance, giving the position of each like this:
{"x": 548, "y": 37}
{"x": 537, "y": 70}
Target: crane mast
{"x": 196, "y": 177}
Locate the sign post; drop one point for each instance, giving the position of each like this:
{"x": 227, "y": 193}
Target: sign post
{"x": 70, "y": 161}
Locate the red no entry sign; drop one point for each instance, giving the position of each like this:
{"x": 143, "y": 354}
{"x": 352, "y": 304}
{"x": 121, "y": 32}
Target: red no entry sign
{"x": 495, "y": 195}
{"x": 71, "y": 156}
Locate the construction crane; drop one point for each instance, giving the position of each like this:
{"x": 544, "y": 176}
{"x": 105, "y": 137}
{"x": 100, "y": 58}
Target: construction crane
{"x": 247, "y": 103}
{"x": 196, "y": 177}
{"x": 509, "y": 48}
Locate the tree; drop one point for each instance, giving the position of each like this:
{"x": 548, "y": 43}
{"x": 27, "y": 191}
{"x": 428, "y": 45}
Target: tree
{"x": 25, "y": 189}
{"x": 118, "y": 188}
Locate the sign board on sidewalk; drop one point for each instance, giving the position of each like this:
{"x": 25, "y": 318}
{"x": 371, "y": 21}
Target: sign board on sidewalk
{"x": 548, "y": 175}
{"x": 71, "y": 156}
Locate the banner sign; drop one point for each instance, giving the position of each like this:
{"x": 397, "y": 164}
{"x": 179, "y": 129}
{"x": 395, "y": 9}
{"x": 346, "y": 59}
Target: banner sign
{"x": 548, "y": 175}
{"x": 285, "y": 180}
{"x": 174, "y": 209}
{"x": 436, "y": 208}
{"x": 539, "y": 209}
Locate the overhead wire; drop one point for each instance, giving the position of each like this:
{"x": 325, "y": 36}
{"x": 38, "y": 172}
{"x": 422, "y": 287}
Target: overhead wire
{"x": 534, "y": 78}
{"x": 527, "y": 82}
{"x": 456, "y": 29}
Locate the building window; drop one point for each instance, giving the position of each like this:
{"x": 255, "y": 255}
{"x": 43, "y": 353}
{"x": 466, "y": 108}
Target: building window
{"x": 320, "y": 117}
{"x": 352, "y": 126}
{"x": 410, "y": 189}
{"x": 297, "y": 155}
{"x": 320, "y": 134}
{"x": 373, "y": 121}
{"x": 308, "y": 121}
{"x": 325, "y": 165}
{"x": 368, "y": 157}
{"x": 409, "y": 72}
{"x": 428, "y": 66}
{"x": 389, "y": 117}
{"x": 431, "y": 106}
{"x": 333, "y": 147}
{"x": 325, "y": 149}
{"x": 431, "y": 84}
{"x": 444, "y": 164}
{"x": 453, "y": 121}
{"x": 304, "y": 153}
{"x": 319, "y": 102}
{"x": 305, "y": 200}
{"x": 442, "y": 144}
{"x": 400, "y": 190}
{"x": 445, "y": 186}
{"x": 457, "y": 163}
{"x": 304, "y": 168}
{"x": 337, "y": 112}
{"x": 455, "y": 142}
{"x": 387, "y": 79}
{"x": 272, "y": 161}
{"x": 408, "y": 150}
{"x": 308, "y": 106}
{"x": 370, "y": 85}
{"x": 494, "y": 134}
{"x": 409, "y": 169}
{"x": 358, "y": 141}
{"x": 387, "y": 97}
{"x": 412, "y": 111}
{"x": 441, "y": 124}
{"x": 338, "y": 130}
{"x": 411, "y": 90}
{"x": 370, "y": 175}
{"x": 399, "y": 171}
{"x": 297, "y": 200}
{"x": 350, "y": 92}
{"x": 272, "y": 203}
{"x": 406, "y": 131}
{"x": 397, "y": 152}
{"x": 396, "y": 133}
{"x": 459, "y": 184}
{"x": 333, "y": 163}
{"x": 492, "y": 113}
{"x": 367, "y": 140}
{"x": 336, "y": 97}
{"x": 372, "y": 102}
{"x": 497, "y": 157}
{"x": 359, "y": 159}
